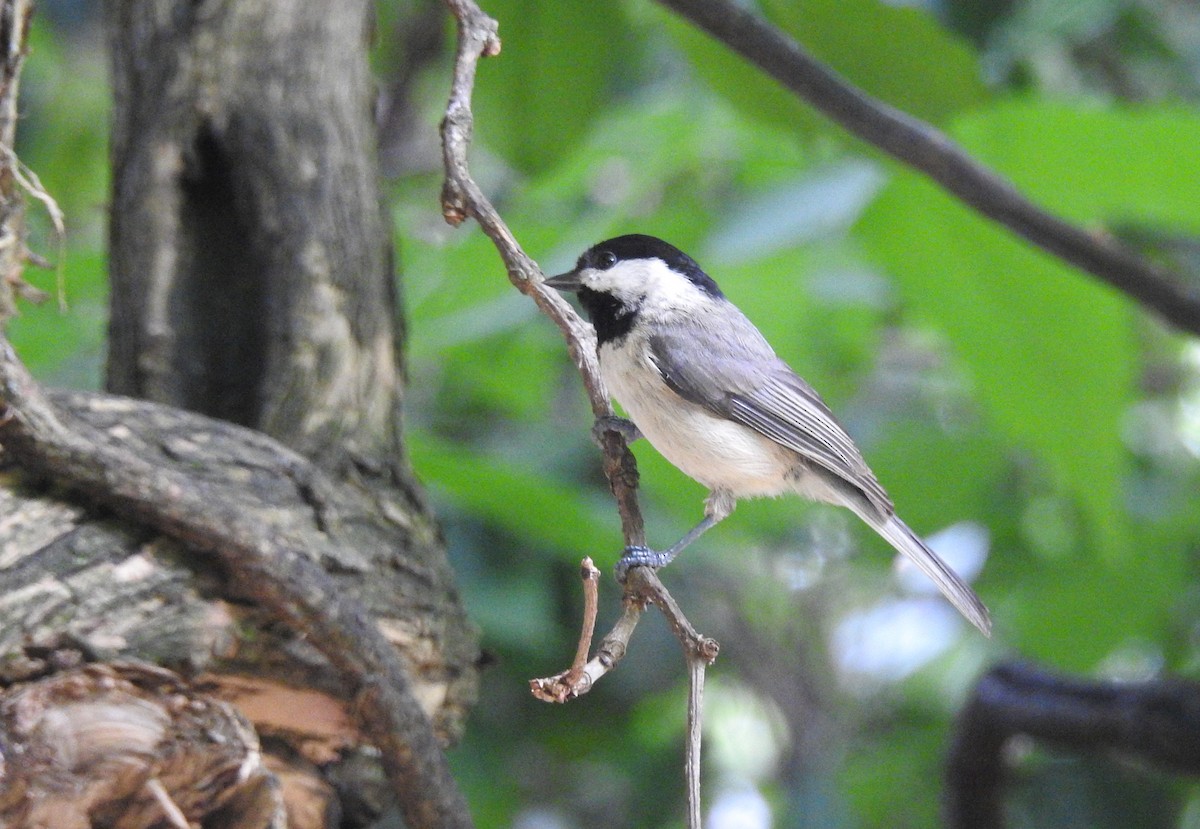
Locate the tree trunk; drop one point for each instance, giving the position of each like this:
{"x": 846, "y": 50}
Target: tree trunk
{"x": 252, "y": 282}
{"x": 250, "y": 257}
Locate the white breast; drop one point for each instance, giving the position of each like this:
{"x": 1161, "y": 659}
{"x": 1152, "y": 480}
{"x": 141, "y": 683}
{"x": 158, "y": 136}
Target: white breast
{"x": 716, "y": 452}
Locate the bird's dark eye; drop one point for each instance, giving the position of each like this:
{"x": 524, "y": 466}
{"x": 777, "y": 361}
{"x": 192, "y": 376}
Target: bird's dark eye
{"x": 606, "y": 260}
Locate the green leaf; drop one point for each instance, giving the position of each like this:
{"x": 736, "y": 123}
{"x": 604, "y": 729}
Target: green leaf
{"x": 1076, "y": 611}
{"x": 1052, "y": 350}
{"x": 536, "y": 99}
{"x": 1096, "y": 166}
{"x": 65, "y": 347}
{"x": 527, "y": 502}
{"x": 938, "y": 478}
{"x": 933, "y": 76}
{"x": 893, "y": 761}
{"x": 1052, "y": 353}
{"x": 747, "y": 88}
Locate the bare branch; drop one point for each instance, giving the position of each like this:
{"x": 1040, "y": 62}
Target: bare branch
{"x": 462, "y": 199}
{"x": 591, "y": 600}
{"x": 927, "y": 150}
{"x": 691, "y": 769}
{"x": 642, "y": 587}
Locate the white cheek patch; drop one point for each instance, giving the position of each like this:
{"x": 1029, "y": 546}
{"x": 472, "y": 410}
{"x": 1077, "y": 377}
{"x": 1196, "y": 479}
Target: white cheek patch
{"x": 649, "y": 285}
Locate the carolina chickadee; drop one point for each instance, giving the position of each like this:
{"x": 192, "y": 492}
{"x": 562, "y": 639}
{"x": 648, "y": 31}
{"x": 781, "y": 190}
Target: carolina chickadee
{"x": 703, "y": 385}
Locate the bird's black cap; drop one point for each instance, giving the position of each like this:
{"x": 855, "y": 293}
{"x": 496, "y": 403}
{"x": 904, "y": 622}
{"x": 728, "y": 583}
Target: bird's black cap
{"x": 640, "y": 246}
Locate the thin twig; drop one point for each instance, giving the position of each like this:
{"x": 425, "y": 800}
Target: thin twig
{"x": 462, "y": 198}
{"x": 929, "y": 151}
{"x": 591, "y": 601}
{"x": 30, "y": 182}
{"x": 564, "y": 686}
{"x": 642, "y": 587}
{"x": 696, "y": 666}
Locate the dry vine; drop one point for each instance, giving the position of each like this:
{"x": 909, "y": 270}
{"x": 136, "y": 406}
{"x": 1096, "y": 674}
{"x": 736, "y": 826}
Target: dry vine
{"x": 461, "y": 199}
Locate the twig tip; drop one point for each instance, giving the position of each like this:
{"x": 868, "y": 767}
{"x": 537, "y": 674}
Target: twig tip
{"x": 587, "y": 570}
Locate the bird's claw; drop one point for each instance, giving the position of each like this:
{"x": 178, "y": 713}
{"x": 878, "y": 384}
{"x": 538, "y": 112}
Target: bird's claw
{"x": 611, "y": 423}
{"x": 638, "y": 556}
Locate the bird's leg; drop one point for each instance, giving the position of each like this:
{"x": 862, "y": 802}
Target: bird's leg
{"x": 645, "y": 557}
{"x": 717, "y": 508}
{"x": 611, "y": 423}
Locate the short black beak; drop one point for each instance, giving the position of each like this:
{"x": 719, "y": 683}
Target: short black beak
{"x": 568, "y": 281}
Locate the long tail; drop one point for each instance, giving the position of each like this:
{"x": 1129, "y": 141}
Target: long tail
{"x": 953, "y": 588}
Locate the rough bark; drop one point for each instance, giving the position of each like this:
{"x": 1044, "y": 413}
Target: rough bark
{"x": 126, "y": 745}
{"x": 252, "y": 282}
{"x": 77, "y": 582}
{"x": 250, "y": 256}
{"x": 271, "y": 557}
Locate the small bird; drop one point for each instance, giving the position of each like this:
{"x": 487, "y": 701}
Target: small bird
{"x": 702, "y": 384}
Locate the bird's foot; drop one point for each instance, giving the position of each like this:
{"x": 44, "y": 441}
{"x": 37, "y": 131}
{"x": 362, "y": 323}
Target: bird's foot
{"x": 637, "y": 556}
{"x": 611, "y": 423}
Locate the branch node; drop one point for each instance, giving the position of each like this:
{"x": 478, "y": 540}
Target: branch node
{"x": 708, "y": 649}
{"x": 452, "y": 213}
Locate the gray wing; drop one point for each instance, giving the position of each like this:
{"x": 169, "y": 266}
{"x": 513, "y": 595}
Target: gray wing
{"x": 734, "y": 373}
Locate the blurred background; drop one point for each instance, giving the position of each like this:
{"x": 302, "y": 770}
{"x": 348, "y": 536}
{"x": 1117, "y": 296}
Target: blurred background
{"x": 1042, "y": 430}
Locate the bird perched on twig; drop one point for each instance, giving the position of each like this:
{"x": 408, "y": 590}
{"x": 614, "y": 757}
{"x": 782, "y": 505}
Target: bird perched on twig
{"x": 702, "y": 384}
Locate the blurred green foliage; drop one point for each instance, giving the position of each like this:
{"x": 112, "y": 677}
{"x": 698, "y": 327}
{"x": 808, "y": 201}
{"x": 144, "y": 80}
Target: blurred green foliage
{"x": 63, "y": 138}
{"x": 990, "y": 386}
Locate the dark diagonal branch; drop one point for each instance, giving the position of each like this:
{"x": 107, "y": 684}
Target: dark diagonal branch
{"x": 279, "y": 573}
{"x": 931, "y": 152}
